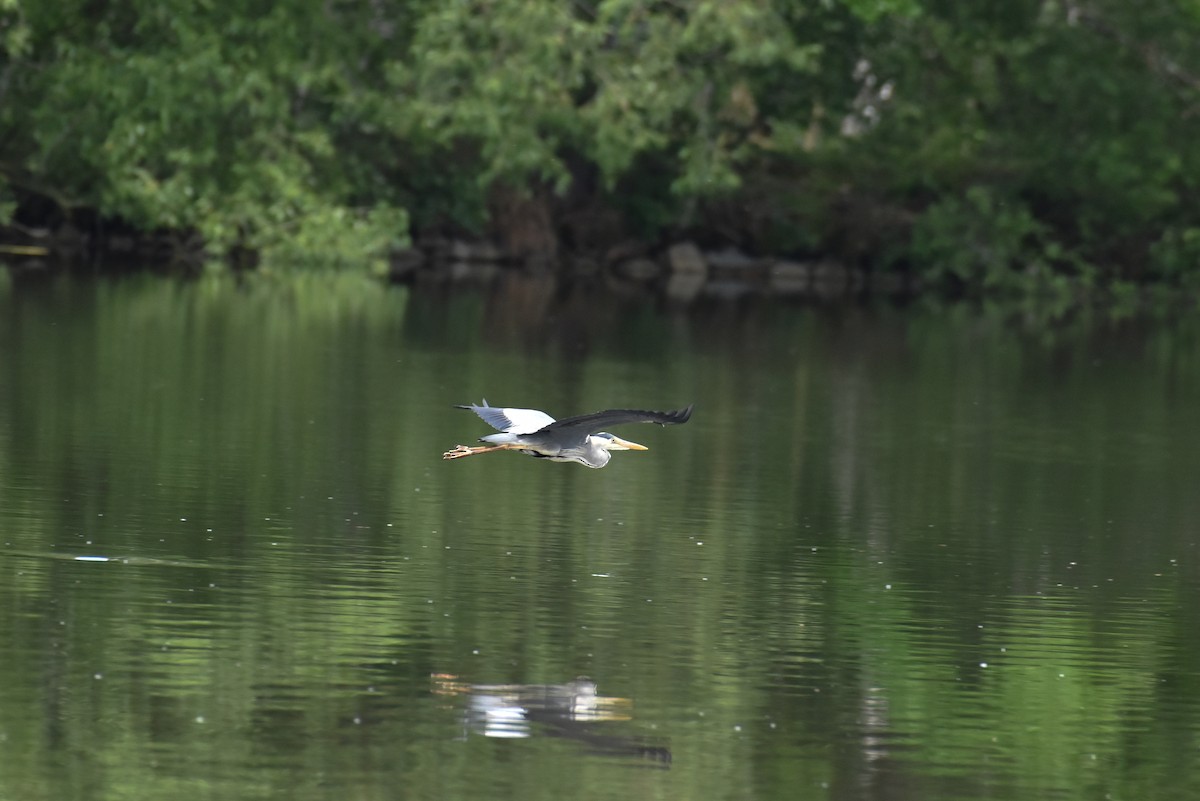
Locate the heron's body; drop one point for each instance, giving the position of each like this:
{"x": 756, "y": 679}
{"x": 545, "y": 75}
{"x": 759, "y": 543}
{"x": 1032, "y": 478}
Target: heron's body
{"x": 572, "y": 439}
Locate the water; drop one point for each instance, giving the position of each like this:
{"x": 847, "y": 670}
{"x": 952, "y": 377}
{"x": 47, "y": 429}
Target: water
{"x": 901, "y": 554}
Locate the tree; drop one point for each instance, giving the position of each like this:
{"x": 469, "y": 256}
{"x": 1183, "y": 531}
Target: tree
{"x": 987, "y": 147}
{"x": 221, "y": 121}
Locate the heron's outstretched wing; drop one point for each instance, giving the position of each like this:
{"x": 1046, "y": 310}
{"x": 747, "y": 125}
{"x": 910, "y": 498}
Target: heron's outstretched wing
{"x": 599, "y": 421}
{"x": 513, "y": 421}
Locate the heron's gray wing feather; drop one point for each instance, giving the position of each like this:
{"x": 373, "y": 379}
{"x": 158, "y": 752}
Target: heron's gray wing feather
{"x": 517, "y": 421}
{"x": 599, "y": 421}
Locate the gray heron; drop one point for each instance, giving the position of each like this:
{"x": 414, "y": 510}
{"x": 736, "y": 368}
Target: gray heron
{"x": 572, "y": 439}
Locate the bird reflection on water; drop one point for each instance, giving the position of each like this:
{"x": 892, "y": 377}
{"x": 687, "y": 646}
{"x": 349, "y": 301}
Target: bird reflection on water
{"x": 573, "y": 711}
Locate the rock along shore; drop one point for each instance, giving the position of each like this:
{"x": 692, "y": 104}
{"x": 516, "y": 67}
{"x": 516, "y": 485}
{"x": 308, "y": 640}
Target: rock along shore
{"x": 681, "y": 272}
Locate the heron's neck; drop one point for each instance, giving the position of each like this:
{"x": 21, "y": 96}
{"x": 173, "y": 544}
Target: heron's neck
{"x": 598, "y": 455}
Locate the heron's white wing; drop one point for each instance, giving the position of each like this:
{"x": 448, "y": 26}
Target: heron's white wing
{"x": 513, "y": 421}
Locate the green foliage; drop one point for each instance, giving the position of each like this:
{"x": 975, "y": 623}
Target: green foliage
{"x": 1081, "y": 114}
{"x": 332, "y": 235}
{"x": 525, "y": 84}
{"x": 312, "y": 130}
{"x": 186, "y": 117}
{"x": 1176, "y": 255}
{"x": 8, "y": 204}
{"x": 979, "y": 240}
{"x": 502, "y": 81}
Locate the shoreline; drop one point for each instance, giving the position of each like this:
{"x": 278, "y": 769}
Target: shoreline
{"x": 681, "y": 272}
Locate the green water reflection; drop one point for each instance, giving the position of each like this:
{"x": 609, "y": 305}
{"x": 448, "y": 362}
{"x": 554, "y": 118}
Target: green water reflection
{"x": 895, "y": 554}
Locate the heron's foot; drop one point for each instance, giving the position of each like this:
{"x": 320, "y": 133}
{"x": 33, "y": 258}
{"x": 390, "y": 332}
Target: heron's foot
{"x": 457, "y": 452}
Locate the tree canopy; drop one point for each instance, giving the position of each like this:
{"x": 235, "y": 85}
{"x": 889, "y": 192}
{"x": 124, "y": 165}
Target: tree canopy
{"x": 981, "y": 145}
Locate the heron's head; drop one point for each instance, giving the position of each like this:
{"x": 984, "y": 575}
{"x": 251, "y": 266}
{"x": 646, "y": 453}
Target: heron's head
{"x": 613, "y": 443}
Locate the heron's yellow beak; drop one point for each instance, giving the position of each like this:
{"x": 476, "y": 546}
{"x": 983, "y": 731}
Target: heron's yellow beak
{"x": 629, "y": 446}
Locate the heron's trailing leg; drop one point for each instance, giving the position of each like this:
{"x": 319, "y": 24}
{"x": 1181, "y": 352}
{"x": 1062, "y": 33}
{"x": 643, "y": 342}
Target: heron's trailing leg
{"x": 460, "y": 451}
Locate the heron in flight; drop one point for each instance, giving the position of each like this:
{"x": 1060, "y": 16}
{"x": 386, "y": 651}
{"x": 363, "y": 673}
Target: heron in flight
{"x": 572, "y": 439}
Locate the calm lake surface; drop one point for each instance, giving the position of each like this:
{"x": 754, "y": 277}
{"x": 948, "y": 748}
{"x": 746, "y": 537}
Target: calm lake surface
{"x": 896, "y": 554}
